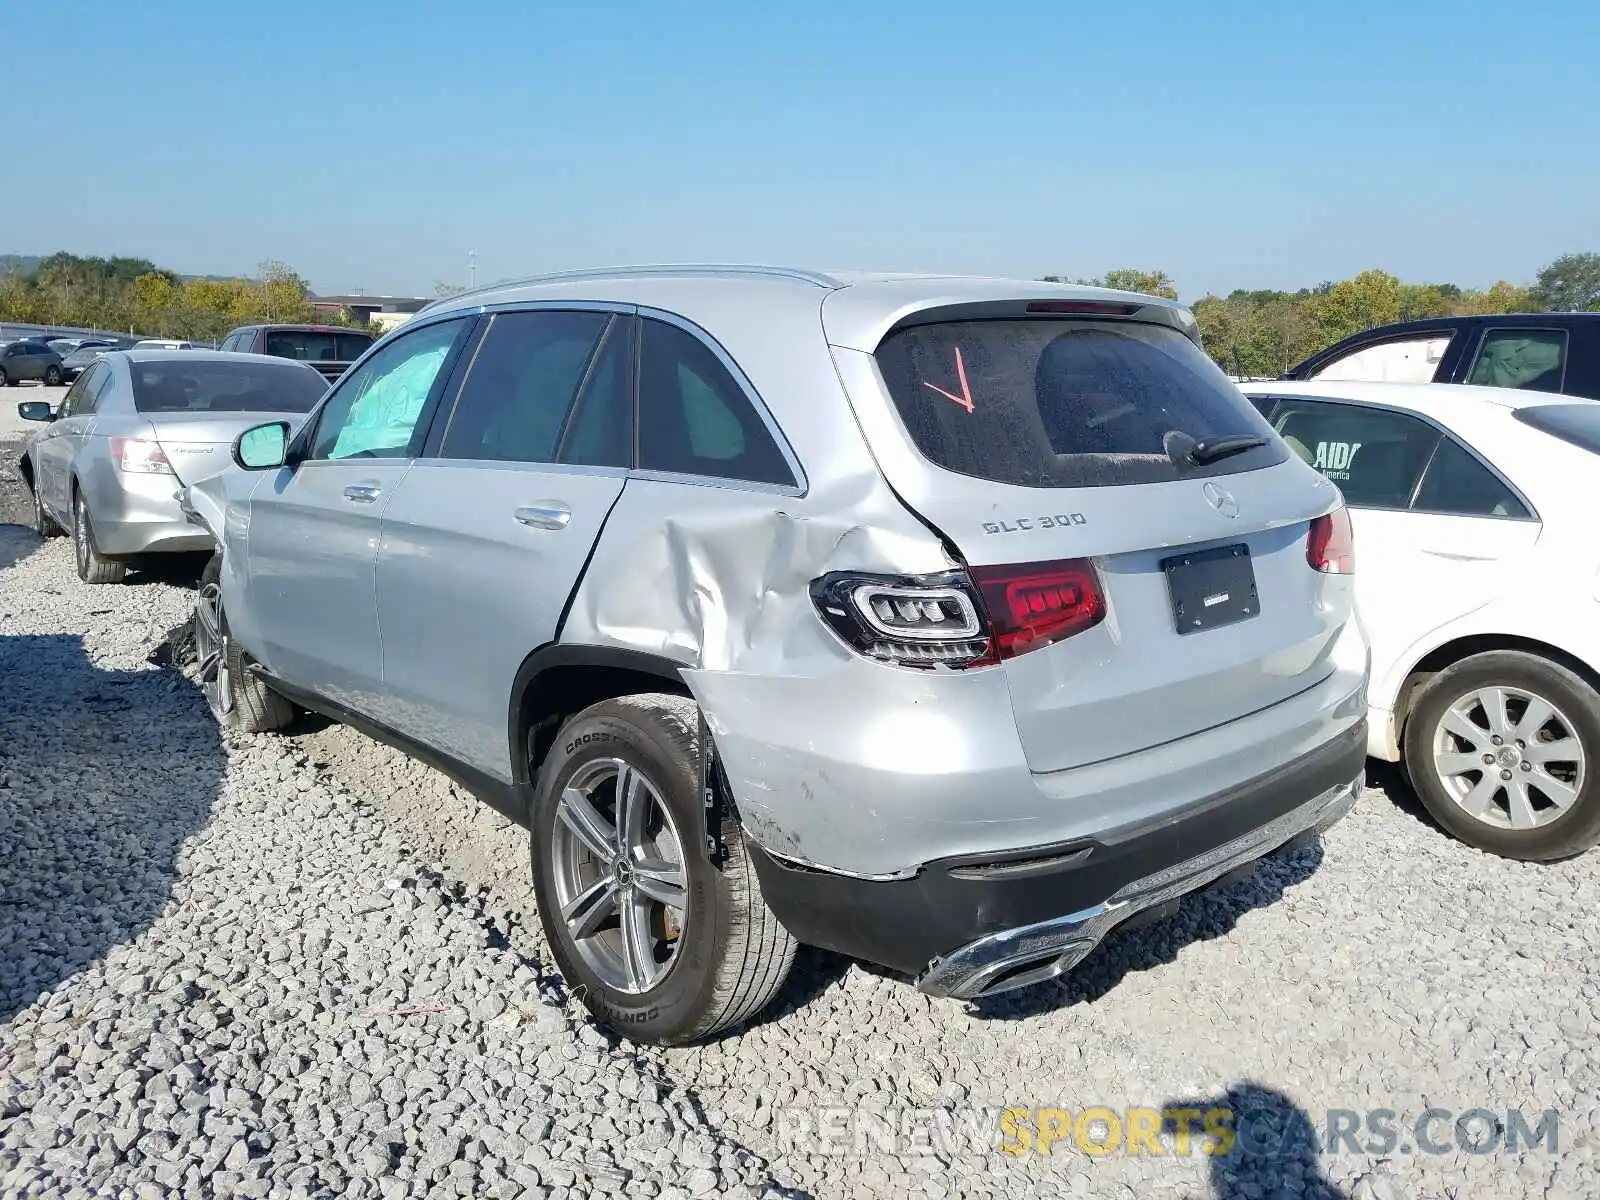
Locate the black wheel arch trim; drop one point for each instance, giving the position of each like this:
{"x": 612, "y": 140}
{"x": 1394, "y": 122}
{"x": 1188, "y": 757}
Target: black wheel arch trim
{"x": 560, "y": 655}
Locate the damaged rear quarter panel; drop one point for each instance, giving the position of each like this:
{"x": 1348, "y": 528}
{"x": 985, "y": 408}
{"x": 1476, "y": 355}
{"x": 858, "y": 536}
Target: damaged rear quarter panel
{"x": 829, "y": 756}
{"x": 866, "y": 768}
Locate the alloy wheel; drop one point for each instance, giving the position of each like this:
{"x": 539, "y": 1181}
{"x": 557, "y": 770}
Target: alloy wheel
{"x": 619, "y": 873}
{"x": 80, "y": 534}
{"x": 211, "y": 649}
{"x": 1509, "y": 758}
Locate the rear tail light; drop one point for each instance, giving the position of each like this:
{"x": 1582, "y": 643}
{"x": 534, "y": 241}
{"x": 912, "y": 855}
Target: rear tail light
{"x": 1330, "y": 544}
{"x": 1039, "y": 603}
{"x": 140, "y": 456}
{"x": 960, "y": 619}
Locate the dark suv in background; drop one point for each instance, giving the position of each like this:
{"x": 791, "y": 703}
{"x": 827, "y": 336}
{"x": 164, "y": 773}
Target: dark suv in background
{"x": 29, "y": 358}
{"x": 329, "y": 348}
{"x": 1542, "y": 352}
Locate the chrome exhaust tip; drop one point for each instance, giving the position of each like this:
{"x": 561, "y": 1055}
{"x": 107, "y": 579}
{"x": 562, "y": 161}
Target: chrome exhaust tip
{"x": 1030, "y": 954}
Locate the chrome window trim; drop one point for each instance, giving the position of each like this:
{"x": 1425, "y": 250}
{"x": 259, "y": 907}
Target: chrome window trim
{"x": 720, "y": 481}
{"x": 792, "y": 490}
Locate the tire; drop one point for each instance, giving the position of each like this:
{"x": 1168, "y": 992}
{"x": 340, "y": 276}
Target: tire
{"x": 237, "y": 697}
{"x": 730, "y": 954}
{"x": 52, "y": 377}
{"x": 93, "y": 567}
{"x": 5, "y": 379}
{"x": 43, "y": 523}
{"x": 1549, "y": 807}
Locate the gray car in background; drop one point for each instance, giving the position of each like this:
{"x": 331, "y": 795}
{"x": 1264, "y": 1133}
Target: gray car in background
{"x": 135, "y": 427}
{"x": 947, "y": 623}
{"x": 29, "y": 359}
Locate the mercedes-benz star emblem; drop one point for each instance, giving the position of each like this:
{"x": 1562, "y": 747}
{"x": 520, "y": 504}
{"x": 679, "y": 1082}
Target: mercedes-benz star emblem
{"x": 1222, "y": 501}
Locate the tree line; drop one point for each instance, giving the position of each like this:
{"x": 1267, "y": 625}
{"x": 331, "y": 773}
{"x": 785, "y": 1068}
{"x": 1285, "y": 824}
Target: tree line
{"x": 1261, "y": 332}
{"x": 133, "y": 295}
{"x": 1266, "y": 332}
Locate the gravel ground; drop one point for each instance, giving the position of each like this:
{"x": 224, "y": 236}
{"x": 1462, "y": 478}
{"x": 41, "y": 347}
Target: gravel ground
{"x": 307, "y": 966}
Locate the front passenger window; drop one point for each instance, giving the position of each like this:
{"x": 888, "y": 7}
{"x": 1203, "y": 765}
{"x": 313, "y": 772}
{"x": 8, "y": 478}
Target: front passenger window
{"x": 381, "y": 410}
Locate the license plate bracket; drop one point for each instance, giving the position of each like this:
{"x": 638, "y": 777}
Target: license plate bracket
{"x": 1211, "y": 589}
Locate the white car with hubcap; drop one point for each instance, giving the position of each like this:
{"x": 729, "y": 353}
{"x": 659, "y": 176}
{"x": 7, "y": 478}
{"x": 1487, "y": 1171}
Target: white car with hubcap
{"x": 1479, "y": 584}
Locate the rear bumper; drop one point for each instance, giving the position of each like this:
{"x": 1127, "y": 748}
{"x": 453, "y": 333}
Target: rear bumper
{"x": 139, "y": 514}
{"x": 882, "y": 774}
{"x": 979, "y": 924}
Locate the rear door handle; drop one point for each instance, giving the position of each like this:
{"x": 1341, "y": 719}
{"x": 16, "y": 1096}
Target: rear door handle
{"x": 362, "y": 493}
{"x": 547, "y": 514}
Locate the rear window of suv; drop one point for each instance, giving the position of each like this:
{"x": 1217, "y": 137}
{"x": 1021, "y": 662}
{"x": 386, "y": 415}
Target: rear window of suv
{"x": 315, "y": 345}
{"x": 225, "y": 387}
{"x": 1064, "y": 403}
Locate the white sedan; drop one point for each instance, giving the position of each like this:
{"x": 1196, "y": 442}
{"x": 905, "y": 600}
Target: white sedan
{"x": 1478, "y": 579}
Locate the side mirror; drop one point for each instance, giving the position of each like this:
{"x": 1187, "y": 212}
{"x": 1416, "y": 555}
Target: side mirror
{"x": 36, "y": 410}
{"x": 262, "y": 447}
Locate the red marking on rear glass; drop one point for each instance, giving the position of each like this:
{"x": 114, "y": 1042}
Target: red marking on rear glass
{"x": 965, "y": 399}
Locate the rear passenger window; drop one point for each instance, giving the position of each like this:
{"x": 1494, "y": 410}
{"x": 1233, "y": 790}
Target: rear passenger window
{"x": 1521, "y": 358}
{"x": 694, "y": 418}
{"x": 316, "y": 345}
{"x": 600, "y": 431}
{"x": 1457, "y": 483}
{"x": 522, "y": 385}
{"x": 1055, "y": 403}
{"x": 1376, "y": 457}
{"x": 99, "y": 385}
{"x": 75, "y": 401}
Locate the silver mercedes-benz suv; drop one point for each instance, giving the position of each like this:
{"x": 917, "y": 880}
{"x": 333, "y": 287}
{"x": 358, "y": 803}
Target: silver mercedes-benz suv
{"x": 944, "y": 622}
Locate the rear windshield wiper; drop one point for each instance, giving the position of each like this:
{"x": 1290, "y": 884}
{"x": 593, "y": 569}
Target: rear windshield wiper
{"x": 1210, "y": 450}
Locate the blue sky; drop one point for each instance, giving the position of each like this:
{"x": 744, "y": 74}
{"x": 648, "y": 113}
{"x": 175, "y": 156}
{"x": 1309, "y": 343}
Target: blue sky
{"x": 1230, "y": 144}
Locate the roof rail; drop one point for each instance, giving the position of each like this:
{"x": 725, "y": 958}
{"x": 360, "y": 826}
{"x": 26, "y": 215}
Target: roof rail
{"x": 816, "y": 278}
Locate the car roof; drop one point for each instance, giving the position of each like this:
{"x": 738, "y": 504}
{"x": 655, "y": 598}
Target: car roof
{"x": 1436, "y": 400}
{"x": 156, "y": 354}
{"x": 1425, "y": 324}
{"x": 308, "y": 328}
{"x": 862, "y": 306}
